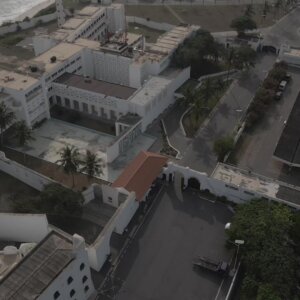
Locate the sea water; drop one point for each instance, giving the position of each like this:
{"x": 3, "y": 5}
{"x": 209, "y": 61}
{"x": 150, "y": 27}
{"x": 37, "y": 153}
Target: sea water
{"x": 11, "y": 9}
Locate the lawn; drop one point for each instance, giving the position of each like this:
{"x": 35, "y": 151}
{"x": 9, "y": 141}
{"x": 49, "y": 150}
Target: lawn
{"x": 212, "y": 18}
{"x": 193, "y": 120}
{"x": 151, "y": 35}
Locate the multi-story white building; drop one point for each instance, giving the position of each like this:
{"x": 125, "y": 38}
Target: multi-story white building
{"x": 56, "y": 268}
{"x": 96, "y": 69}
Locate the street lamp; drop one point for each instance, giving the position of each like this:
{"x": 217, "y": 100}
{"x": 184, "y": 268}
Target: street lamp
{"x": 238, "y": 243}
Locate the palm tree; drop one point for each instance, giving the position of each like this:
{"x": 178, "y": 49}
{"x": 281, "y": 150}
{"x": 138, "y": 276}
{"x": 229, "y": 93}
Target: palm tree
{"x": 69, "y": 160}
{"x": 229, "y": 59}
{"x": 23, "y": 133}
{"x": 6, "y": 118}
{"x": 207, "y": 90}
{"x": 92, "y": 165}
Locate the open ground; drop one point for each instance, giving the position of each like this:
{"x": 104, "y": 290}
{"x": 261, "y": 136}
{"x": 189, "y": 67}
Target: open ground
{"x": 158, "y": 263}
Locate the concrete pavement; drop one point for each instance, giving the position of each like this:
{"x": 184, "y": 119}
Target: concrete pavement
{"x": 198, "y": 152}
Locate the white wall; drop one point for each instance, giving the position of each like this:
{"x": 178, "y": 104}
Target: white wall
{"x": 150, "y": 24}
{"x": 26, "y": 175}
{"x": 220, "y": 188}
{"x": 25, "y": 25}
{"x": 42, "y": 43}
{"x": 23, "y": 227}
{"x": 100, "y": 249}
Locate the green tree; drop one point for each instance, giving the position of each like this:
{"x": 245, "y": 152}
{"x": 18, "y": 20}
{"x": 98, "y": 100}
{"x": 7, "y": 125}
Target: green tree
{"x": 189, "y": 97}
{"x": 249, "y": 12}
{"x": 6, "y": 119}
{"x": 23, "y": 133}
{"x": 92, "y": 165}
{"x": 59, "y": 200}
{"x": 243, "y": 24}
{"x": 267, "y": 292}
{"x": 69, "y": 160}
{"x": 244, "y": 58}
{"x": 267, "y": 254}
{"x": 223, "y": 146}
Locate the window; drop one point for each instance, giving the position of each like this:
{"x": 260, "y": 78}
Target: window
{"x": 76, "y": 105}
{"x": 82, "y": 266}
{"x": 58, "y": 100}
{"x": 86, "y": 288}
{"x": 70, "y": 279}
{"x": 56, "y": 295}
{"x": 72, "y": 293}
{"x": 67, "y": 102}
{"x": 85, "y": 107}
{"x": 84, "y": 279}
{"x": 231, "y": 187}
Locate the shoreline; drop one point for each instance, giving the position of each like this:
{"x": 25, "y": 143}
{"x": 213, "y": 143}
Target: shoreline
{"x": 33, "y": 11}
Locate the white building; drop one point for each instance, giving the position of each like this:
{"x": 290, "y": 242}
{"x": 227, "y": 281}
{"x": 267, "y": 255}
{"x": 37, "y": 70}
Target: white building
{"x": 92, "y": 65}
{"x": 290, "y": 55}
{"x": 56, "y": 268}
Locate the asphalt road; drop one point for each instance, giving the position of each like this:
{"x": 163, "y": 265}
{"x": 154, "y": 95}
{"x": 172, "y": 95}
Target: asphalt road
{"x": 158, "y": 264}
{"x": 257, "y": 148}
{"x": 198, "y": 152}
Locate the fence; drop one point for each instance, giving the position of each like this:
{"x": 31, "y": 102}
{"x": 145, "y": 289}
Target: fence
{"x": 27, "y": 24}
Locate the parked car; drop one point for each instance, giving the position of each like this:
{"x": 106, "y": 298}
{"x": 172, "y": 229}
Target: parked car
{"x": 282, "y": 85}
{"x": 278, "y": 95}
{"x": 220, "y": 267}
{"x": 288, "y": 77}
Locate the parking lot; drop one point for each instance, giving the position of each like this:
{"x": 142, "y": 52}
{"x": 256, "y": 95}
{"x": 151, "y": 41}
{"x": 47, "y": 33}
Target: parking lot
{"x": 158, "y": 263}
{"x": 255, "y": 151}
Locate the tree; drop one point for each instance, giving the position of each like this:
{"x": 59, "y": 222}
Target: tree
{"x": 59, "y": 200}
{"x": 242, "y": 24}
{"x": 223, "y": 146}
{"x": 249, "y": 12}
{"x": 267, "y": 254}
{"x": 190, "y": 97}
{"x": 207, "y": 90}
{"x": 6, "y": 119}
{"x": 69, "y": 160}
{"x": 23, "y": 133}
{"x": 229, "y": 59}
{"x": 244, "y": 58}
{"x": 92, "y": 165}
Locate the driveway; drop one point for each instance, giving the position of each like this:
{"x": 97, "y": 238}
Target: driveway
{"x": 256, "y": 150}
{"x": 198, "y": 152}
{"x": 158, "y": 264}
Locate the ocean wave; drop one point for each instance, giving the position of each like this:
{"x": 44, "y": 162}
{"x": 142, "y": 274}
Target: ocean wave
{"x": 11, "y": 9}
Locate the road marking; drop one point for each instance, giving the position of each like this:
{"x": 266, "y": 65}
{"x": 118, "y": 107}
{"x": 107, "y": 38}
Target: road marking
{"x": 219, "y": 290}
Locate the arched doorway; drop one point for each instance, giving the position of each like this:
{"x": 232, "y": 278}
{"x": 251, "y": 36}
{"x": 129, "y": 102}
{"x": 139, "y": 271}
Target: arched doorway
{"x": 194, "y": 183}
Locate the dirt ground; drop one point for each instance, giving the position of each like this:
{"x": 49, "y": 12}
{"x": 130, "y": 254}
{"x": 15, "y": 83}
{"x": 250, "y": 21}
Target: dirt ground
{"x": 213, "y": 18}
{"x": 11, "y": 188}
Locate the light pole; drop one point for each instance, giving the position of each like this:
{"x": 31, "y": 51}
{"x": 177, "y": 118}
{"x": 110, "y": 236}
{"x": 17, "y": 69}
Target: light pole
{"x": 238, "y": 243}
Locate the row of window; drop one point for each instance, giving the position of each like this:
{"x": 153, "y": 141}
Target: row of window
{"x": 56, "y": 295}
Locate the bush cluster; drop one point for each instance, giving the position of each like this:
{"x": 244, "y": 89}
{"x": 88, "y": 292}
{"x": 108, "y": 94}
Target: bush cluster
{"x": 265, "y": 95}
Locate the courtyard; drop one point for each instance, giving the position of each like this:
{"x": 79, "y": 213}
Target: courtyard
{"x": 53, "y": 135}
{"x": 158, "y": 263}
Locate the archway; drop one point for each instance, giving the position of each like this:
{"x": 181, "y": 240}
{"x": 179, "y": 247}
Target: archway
{"x": 194, "y": 183}
{"x": 269, "y": 49}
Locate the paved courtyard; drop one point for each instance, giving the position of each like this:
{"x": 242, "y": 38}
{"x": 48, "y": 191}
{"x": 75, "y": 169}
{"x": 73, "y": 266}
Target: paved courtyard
{"x": 54, "y": 135}
{"x": 158, "y": 264}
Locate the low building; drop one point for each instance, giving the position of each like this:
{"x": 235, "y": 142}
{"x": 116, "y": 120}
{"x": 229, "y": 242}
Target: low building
{"x": 56, "y": 268}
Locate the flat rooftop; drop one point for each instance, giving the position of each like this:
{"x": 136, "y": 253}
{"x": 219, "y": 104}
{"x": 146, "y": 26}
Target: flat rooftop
{"x": 247, "y": 180}
{"x": 153, "y": 87}
{"x": 89, "y": 10}
{"x": 96, "y": 86}
{"x": 169, "y": 41}
{"x": 73, "y": 23}
{"x": 16, "y": 81}
{"x": 62, "y": 52}
{"x": 288, "y": 146}
{"x": 38, "y": 269}
{"x": 94, "y": 45}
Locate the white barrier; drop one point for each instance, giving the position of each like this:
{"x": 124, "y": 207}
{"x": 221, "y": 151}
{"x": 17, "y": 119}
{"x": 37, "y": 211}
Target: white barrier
{"x": 17, "y": 26}
{"x": 149, "y": 23}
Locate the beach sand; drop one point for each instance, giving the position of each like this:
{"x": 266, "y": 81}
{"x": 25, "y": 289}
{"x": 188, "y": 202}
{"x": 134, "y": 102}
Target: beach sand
{"x": 33, "y": 11}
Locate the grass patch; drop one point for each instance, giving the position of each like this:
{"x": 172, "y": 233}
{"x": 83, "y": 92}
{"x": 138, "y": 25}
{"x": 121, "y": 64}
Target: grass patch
{"x": 193, "y": 119}
{"x": 151, "y": 35}
{"x": 189, "y": 84}
{"x": 11, "y": 39}
{"x": 46, "y": 11}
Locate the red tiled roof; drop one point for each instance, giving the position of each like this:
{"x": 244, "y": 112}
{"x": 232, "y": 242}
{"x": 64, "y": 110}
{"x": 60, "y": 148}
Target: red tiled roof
{"x": 140, "y": 173}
